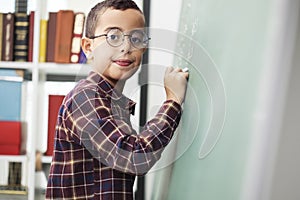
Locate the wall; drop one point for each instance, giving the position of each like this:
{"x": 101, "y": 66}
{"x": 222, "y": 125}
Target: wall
{"x": 286, "y": 174}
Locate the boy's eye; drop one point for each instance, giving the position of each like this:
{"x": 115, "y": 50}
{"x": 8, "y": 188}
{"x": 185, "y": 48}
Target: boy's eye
{"x": 136, "y": 40}
{"x": 137, "y": 37}
{"x": 114, "y": 37}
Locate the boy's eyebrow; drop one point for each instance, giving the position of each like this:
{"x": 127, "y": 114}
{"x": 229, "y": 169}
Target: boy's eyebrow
{"x": 113, "y": 27}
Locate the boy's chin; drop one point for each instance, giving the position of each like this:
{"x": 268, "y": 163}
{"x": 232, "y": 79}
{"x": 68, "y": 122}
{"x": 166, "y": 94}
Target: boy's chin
{"x": 123, "y": 75}
{"x": 117, "y": 79}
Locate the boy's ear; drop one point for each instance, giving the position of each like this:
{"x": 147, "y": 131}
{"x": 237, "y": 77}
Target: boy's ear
{"x": 86, "y": 45}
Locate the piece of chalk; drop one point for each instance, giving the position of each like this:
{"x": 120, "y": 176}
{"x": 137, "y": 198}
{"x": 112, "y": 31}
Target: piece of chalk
{"x": 185, "y": 69}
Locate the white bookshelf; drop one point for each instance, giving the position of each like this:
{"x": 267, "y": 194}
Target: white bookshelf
{"x": 32, "y": 117}
{"x": 13, "y": 158}
{"x": 46, "y": 159}
{"x": 33, "y": 113}
{"x": 64, "y": 69}
{"x": 16, "y": 65}
{"x": 35, "y": 116}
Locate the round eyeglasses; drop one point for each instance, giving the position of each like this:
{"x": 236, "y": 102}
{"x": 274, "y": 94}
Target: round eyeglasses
{"x": 115, "y": 38}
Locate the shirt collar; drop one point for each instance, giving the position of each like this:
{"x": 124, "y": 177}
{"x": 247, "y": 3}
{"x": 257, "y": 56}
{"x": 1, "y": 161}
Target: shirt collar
{"x": 106, "y": 88}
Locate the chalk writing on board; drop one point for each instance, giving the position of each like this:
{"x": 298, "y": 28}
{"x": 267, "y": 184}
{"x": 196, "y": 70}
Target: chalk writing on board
{"x": 193, "y": 55}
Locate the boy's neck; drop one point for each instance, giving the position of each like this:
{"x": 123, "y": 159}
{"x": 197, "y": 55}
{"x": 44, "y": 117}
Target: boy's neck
{"x": 118, "y": 85}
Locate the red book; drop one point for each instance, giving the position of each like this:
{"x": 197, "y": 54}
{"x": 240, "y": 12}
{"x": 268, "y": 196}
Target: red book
{"x": 31, "y": 35}
{"x": 63, "y": 36}
{"x": 55, "y": 102}
{"x": 10, "y": 137}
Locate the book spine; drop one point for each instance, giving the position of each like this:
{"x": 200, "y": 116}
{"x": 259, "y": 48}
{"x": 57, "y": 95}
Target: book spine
{"x": 43, "y": 40}
{"x": 10, "y": 132}
{"x": 1, "y": 33}
{"x": 63, "y": 38}
{"x": 7, "y": 40}
{"x": 82, "y": 57}
{"x": 21, "y": 6}
{"x": 55, "y": 102}
{"x": 77, "y": 34}
{"x": 11, "y": 90}
{"x": 31, "y": 35}
{"x": 51, "y": 37}
{"x": 21, "y": 31}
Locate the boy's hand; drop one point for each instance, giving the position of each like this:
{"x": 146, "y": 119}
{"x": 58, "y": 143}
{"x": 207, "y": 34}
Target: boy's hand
{"x": 175, "y": 84}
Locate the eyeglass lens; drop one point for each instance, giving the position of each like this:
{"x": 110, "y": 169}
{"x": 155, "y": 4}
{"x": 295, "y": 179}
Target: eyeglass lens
{"x": 138, "y": 38}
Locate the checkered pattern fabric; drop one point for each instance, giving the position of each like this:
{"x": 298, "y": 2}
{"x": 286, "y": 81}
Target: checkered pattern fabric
{"x": 97, "y": 152}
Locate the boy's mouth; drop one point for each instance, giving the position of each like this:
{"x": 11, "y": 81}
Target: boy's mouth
{"x": 123, "y": 62}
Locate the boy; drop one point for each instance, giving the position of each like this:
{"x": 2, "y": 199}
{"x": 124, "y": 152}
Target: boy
{"x": 97, "y": 152}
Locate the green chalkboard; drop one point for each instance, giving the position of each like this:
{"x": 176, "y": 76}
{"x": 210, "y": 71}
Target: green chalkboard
{"x": 223, "y": 43}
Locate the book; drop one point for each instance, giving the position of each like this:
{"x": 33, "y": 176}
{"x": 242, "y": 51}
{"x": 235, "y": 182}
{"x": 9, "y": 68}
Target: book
{"x": 21, "y": 36}
{"x": 1, "y": 33}
{"x": 21, "y": 6}
{"x": 51, "y": 29}
{"x": 63, "y": 36}
{"x": 10, "y": 137}
{"x": 8, "y": 37}
{"x": 31, "y": 36}
{"x": 43, "y": 40}
{"x": 10, "y": 91}
{"x": 82, "y": 57}
{"x": 55, "y": 102}
{"x": 15, "y": 176}
{"x": 77, "y": 34}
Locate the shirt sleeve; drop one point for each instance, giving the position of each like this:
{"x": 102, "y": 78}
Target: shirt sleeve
{"x": 101, "y": 130}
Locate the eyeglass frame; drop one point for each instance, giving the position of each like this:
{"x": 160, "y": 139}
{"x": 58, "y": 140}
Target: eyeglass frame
{"x": 123, "y": 38}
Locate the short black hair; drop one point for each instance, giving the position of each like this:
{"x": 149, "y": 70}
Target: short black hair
{"x": 93, "y": 15}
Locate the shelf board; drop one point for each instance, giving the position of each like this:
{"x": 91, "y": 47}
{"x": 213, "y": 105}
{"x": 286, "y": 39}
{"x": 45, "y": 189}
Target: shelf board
{"x": 46, "y": 159}
{"x": 13, "y": 158}
{"x": 65, "y": 69}
{"x": 50, "y": 68}
{"x": 17, "y": 65}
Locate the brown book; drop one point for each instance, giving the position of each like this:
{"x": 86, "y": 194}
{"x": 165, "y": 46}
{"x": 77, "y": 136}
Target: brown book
{"x": 51, "y": 30}
{"x": 77, "y": 34}
{"x": 21, "y": 36}
{"x": 31, "y": 35}
{"x": 63, "y": 36}
{"x": 8, "y": 37}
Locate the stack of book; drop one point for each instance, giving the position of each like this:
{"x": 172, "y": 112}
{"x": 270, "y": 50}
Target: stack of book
{"x": 16, "y": 36}
{"x": 60, "y": 37}
{"x": 10, "y": 111}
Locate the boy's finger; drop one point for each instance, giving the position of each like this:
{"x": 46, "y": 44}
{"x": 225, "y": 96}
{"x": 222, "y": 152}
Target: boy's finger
{"x": 186, "y": 75}
{"x": 177, "y": 69}
{"x": 169, "y": 69}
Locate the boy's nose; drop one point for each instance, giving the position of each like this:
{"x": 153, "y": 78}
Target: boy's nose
{"x": 126, "y": 46}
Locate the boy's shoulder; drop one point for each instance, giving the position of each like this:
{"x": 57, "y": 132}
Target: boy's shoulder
{"x": 84, "y": 89}
{"x": 95, "y": 89}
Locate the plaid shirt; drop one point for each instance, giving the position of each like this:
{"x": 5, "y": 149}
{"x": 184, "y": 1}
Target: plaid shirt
{"x": 97, "y": 153}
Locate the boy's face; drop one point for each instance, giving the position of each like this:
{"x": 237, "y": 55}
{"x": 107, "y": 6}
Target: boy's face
{"x": 116, "y": 63}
